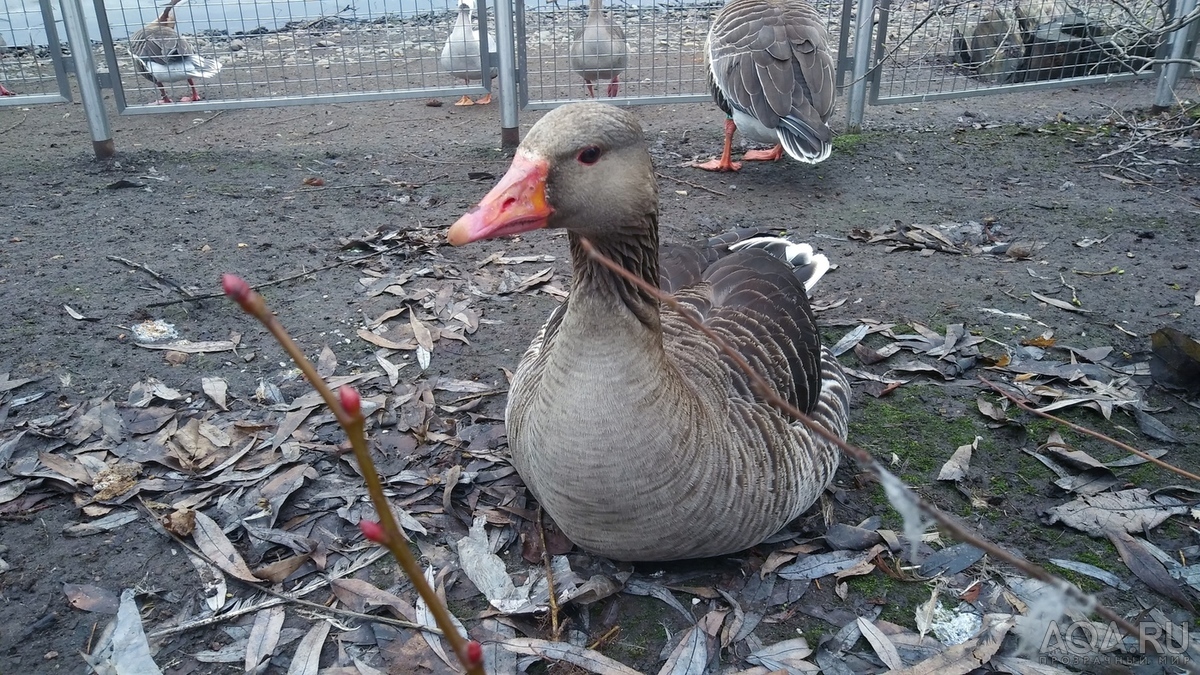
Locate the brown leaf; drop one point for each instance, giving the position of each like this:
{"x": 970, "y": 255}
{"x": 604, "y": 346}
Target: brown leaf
{"x": 881, "y": 644}
{"x": 92, "y": 598}
{"x": 326, "y": 362}
{"x": 215, "y": 388}
{"x": 264, "y": 637}
{"x": 956, "y": 467}
{"x": 280, "y": 570}
{"x": 361, "y": 596}
{"x": 592, "y": 661}
{"x": 991, "y": 410}
{"x": 306, "y": 660}
{"x": 421, "y": 332}
{"x": 213, "y": 543}
{"x": 1131, "y": 511}
{"x": 181, "y": 522}
{"x": 1146, "y": 567}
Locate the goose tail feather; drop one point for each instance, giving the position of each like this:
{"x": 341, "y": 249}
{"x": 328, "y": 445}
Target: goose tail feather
{"x": 802, "y": 142}
{"x": 807, "y": 265}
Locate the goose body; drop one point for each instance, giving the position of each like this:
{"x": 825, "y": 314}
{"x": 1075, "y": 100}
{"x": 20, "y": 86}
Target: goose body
{"x": 770, "y": 70}
{"x": 598, "y": 50}
{"x": 162, "y": 55}
{"x": 460, "y": 55}
{"x": 632, "y": 429}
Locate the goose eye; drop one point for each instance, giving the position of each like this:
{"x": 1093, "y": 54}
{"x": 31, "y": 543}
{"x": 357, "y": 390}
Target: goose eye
{"x": 589, "y": 155}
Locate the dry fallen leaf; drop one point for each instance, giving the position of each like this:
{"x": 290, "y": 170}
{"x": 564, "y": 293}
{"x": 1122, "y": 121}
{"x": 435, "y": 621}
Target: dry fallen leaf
{"x": 213, "y": 543}
{"x": 884, "y": 649}
{"x": 592, "y": 661}
{"x": 1061, "y": 304}
{"x": 264, "y": 637}
{"x": 92, "y": 598}
{"x": 956, "y": 467}
{"x": 215, "y": 388}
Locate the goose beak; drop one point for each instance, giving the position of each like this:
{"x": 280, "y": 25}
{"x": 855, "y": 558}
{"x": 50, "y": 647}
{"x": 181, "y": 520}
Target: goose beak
{"x": 517, "y": 204}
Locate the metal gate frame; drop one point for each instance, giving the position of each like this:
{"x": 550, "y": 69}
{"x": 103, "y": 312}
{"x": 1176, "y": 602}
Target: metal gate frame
{"x": 54, "y": 45}
{"x": 113, "y": 81}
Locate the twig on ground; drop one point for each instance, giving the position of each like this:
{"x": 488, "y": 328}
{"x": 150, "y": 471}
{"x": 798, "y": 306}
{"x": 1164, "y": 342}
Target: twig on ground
{"x": 1088, "y": 432}
{"x": 949, "y": 524}
{"x": 187, "y": 295}
{"x": 14, "y": 126}
{"x": 555, "y": 628}
{"x": 275, "y": 282}
{"x": 200, "y": 123}
{"x": 684, "y": 182}
{"x": 325, "y": 131}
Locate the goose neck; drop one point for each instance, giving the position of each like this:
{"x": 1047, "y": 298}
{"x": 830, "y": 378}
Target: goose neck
{"x": 597, "y": 284}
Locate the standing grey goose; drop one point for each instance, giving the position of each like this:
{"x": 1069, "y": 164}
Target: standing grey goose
{"x": 162, "y": 55}
{"x": 598, "y": 50}
{"x": 629, "y": 426}
{"x": 771, "y": 72}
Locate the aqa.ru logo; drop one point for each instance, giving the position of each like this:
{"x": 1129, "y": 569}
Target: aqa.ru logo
{"x": 1088, "y": 640}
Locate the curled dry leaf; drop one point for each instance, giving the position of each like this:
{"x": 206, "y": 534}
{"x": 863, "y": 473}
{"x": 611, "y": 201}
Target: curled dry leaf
{"x": 215, "y": 388}
{"x": 181, "y": 522}
{"x": 959, "y": 463}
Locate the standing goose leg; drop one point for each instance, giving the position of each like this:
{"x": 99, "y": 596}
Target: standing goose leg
{"x": 163, "y": 91}
{"x": 4, "y": 91}
{"x": 195, "y": 94}
{"x": 726, "y": 162}
{"x": 613, "y": 86}
{"x": 771, "y": 155}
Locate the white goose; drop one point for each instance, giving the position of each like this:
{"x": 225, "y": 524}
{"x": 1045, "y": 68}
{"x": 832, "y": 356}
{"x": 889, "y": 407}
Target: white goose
{"x": 771, "y": 71}
{"x": 460, "y": 55}
{"x": 598, "y": 50}
{"x": 632, "y": 429}
{"x": 161, "y": 55}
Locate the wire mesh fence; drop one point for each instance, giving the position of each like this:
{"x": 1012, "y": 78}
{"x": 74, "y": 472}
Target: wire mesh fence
{"x": 32, "y": 66}
{"x": 663, "y": 44}
{"x": 292, "y": 52}
{"x": 942, "y": 49}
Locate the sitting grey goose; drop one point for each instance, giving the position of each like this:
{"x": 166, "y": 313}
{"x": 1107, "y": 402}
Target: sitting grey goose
{"x": 634, "y": 432}
{"x": 771, "y": 72}
{"x": 598, "y": 50}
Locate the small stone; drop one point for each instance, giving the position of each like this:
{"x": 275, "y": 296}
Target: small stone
{"x": 237, "y": 45}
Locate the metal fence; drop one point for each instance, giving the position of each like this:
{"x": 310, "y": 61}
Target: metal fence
{"x": 32, "y": 66}
{"x": 926, "y": 51}
{"x": 291, "y": 53}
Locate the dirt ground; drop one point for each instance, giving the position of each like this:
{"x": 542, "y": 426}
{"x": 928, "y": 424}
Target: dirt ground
{"x": 214, "y": 193}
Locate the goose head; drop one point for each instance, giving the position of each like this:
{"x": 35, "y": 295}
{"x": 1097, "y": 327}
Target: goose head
{"x": 583, "y": 167}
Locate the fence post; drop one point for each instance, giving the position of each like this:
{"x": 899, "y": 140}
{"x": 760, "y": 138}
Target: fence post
{"x": 510, "y": 132}
{"x": 85, "y": 75}
{"x": 1164, "y": 98}
{"x": 862, "y": 57}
